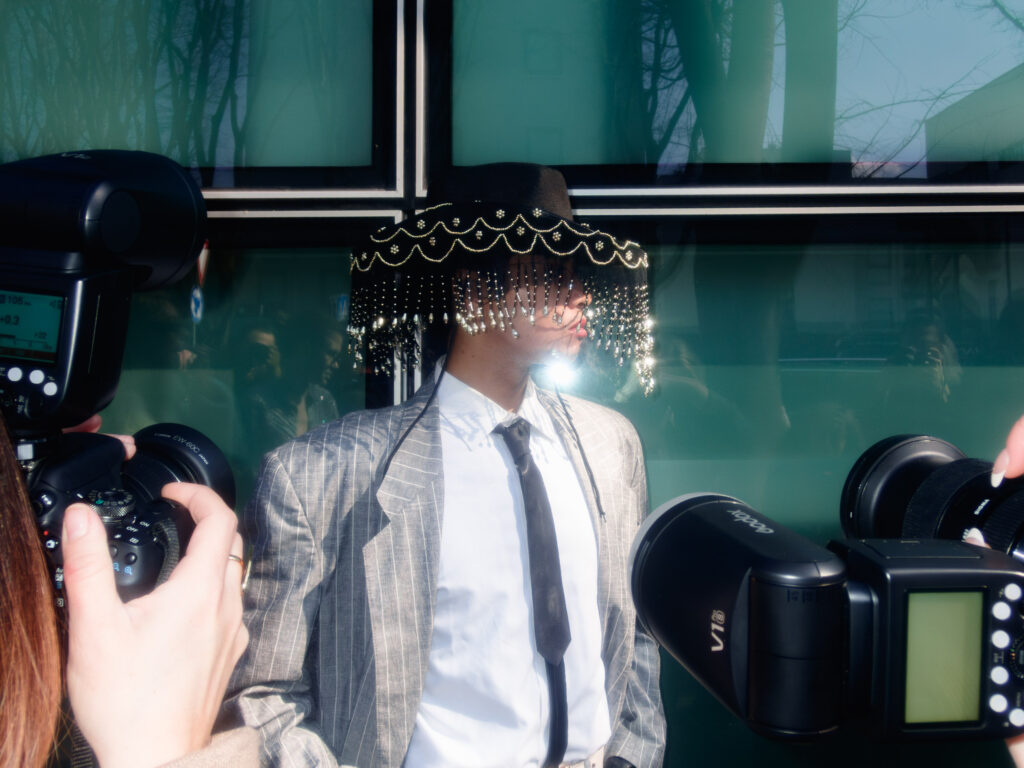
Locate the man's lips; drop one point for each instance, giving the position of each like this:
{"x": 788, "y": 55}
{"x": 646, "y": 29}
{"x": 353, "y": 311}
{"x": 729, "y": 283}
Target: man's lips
{"x": 581, "y": 327}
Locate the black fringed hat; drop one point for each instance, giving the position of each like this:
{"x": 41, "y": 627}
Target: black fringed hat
{"x": 456, "y": 254}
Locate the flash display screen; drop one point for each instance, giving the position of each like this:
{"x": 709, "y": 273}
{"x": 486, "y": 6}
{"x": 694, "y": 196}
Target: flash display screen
{"x": 944, "y": 649}
{"x": 30, "y": 326}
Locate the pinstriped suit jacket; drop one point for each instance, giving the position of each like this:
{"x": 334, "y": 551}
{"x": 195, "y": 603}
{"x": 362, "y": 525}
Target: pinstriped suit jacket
{"x": 341, "y": 598}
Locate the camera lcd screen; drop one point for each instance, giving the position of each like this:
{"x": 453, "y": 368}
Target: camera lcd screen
{"x": 30, "y": 326}
{"x": 944, "y": 649}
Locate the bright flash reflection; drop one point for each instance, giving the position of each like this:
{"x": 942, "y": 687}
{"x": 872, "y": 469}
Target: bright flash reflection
{"x": 560, "y": 373}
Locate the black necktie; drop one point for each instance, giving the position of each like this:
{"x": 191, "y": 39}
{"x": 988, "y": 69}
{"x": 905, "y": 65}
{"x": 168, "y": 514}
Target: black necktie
{"x": 550, "y": 620}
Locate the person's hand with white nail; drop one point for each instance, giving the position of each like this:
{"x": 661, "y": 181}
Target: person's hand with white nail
{"x": 1009, "y": 464}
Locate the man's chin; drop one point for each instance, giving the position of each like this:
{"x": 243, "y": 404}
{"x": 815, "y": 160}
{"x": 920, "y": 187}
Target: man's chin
{"x": 568, "y": 353}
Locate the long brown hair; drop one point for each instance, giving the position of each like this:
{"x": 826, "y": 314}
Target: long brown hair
{"x": 30, "y": 650}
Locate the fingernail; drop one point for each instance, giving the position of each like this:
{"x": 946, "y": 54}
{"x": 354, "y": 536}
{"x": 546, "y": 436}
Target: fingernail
{"x": 974, "y": 536}
{"x": 76, "y": 522}
{"x": 999, "y": 468}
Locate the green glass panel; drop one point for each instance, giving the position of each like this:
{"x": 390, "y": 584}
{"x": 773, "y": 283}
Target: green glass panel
{"x": 533, "y": 81}
{"x": 777, "y": 367}
{"x": 875, "y": 85}
{"x": 267, "y": 361}
{"x": 229, "y": 83}
{"x": 312, "y": 104}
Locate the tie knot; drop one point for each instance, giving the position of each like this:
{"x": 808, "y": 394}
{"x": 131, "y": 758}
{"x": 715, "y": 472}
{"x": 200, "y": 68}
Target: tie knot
{"x": 517, "y": 437}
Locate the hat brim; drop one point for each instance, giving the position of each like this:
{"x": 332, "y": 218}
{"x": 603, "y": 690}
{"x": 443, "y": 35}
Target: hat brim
{"x": 467, "y": 235}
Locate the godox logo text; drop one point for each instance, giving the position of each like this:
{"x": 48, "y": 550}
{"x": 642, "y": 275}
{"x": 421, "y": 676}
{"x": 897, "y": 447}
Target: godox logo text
{"x": 742, "y": 517}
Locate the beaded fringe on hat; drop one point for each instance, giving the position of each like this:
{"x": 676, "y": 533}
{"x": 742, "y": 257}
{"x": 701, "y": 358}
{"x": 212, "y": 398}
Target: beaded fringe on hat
{"x": 414, "y": 273}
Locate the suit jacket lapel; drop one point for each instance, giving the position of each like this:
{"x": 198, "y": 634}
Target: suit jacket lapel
{"x": 401, "y": 564}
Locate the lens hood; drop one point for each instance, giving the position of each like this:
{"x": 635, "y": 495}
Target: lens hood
{"x": 879, "y": 487}
{"x": 167, "y": 453}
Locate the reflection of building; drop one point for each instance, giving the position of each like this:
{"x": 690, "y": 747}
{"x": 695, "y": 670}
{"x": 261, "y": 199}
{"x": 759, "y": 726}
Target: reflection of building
{"x": 986, "y": 125}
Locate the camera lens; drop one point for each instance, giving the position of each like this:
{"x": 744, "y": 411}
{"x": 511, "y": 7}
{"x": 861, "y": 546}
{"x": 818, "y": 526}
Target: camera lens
{"x": 917, "y": 486}
{"x": 883, "y": 480}
{"x": 167, "y": 453}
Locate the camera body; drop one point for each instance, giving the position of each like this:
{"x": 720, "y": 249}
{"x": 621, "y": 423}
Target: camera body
{"x": 147, "y": 534}
{"x": 78, "y": 233}
{"x": 906, "y": 639}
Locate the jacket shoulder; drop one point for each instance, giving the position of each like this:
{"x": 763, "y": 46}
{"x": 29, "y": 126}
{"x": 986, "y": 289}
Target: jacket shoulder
{"x": 593, "y": 413}
{"x": 369, "y": 433}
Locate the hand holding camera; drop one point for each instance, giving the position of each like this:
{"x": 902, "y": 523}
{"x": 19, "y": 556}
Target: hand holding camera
{"x": 146, "y": 678}
{"x": 1010, "y": 461}
{"x": 78, "y": 233}
{"x": 1009, "y": 464}
{"x": 147, "y": 533}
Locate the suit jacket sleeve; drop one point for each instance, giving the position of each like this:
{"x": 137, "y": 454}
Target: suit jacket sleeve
{"x": 237, "y": 748}
{"x": 639, "y": 734}
{"x": 273, "y": 690}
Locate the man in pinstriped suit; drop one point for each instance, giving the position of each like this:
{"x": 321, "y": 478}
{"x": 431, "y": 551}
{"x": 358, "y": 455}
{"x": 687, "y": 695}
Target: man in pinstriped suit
{"x": 387, "y": 609}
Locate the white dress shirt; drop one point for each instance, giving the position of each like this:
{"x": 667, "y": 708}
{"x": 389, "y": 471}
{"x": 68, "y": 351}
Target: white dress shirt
{"x": 485, "y": 700}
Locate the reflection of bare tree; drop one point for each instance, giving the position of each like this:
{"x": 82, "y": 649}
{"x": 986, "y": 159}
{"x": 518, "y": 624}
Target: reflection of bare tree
{"x": 879, "y": 131}
{"x": 999, "y": 7}
{"x": 726, "y": 50}
{"x": 707, "y": 68}
{"x": 874, "y": 150}
{"x": 808, "y": 122}
{"x": 872, "y": 154}
{"x": 717, "y": 75}
{"x": 160, "y": 75}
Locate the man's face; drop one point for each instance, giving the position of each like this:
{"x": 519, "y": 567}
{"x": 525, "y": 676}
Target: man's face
{"x": 265, "y": 357}
{"x": 333, "y": 347}
{"x": 562, "y": 331}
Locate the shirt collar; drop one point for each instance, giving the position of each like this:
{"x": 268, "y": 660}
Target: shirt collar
{"x": 459, "y": 403}
{"x": 534, "y": 412}
{"x": 466, "y": 408}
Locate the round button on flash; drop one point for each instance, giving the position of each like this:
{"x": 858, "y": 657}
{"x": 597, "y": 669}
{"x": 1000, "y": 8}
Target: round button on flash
{"x": 1017, "y": 717}
{"x": 998, "y": 703}
{"x": 37, "y": 376}
{"x": 999, "y": 675}
{"x": 1001, "y": 610}
{"x": 15, "y": 374}
{"x": 50, "y": 388}
{"x": 1000, "y": 639}
{"x": 1012, "y": 592}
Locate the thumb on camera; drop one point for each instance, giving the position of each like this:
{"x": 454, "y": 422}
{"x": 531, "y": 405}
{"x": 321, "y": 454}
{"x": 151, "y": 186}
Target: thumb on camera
{"x": 88, "y": 569}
